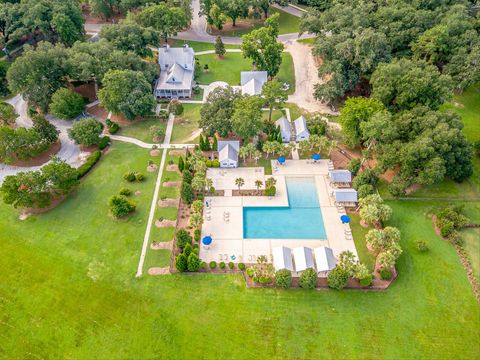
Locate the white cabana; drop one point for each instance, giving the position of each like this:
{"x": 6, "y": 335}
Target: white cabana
{"x": 303, "y": 257}
{"x": 340, "y": 176}
{"x": 324, "y": 259}
{"x": 345, "y": 195}
{"x": 282, "y": 258}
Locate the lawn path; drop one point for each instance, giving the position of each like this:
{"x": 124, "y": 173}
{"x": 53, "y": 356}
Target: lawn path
{"x": 146, "y": 238}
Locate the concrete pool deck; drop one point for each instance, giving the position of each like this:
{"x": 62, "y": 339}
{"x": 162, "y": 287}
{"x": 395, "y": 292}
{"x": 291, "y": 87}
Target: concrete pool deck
{"x": 224, "y": 216}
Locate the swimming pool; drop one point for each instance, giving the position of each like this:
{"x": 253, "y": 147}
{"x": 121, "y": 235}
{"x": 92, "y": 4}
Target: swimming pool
{"x": 302, "y": 219}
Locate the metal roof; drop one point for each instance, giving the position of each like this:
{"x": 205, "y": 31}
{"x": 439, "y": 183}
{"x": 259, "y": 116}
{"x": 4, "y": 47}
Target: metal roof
{"x": 345, "y": 195}
{"x": 282, "y": 258}
{"x": 301, "y": 126}
{"x": 340, "y": 176}
{"x": 324, "y": 258}
{"x": 303, "y": 257}
{"x": 285, "y": 126}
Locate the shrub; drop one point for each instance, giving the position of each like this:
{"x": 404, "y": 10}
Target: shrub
{"x": 255, "y": 279}
{"x": 108, "y": 122}
{"x": 181, "y": 262}
{"x": 139, "y": 176}
{"x": 222, "y": 265}
{"x": 120, "y": 206}
{"x": 157, "y": 132}
{"x": 183, "y": 238}
{"x": 186, "y": 192}
{"x": 308, "y": 279}
{"x": 250, "y": 272}
{"x": 353, "y": 166}
{"x": 385, "y": 274}
{"x": 175, "y": 107}
{"x": 181, "y": 164}
{"x": 129, "y": 176}
{"x": 91, "y": 160}
{"x": 241, "y": 266}
{"x": 455, "y": 238}
{"x": 265, "y": 279}
{"x": 271, "y": 191}
{"x": 112, "y": 129}
{"x": 215, "y": 163}
{"x": 125, "y": 192}
{"x": 367, "y": 280}
{"x": 66, "y": 104}
{"x": 213, "y": 264}
{"x": 283, "y": 278}
{"x": 208, "y": 163}
{"x": 104, "y": 142}
{"x": 86, "y": 132}
{"x": 203, "y": 265}
{"x": 421, "y": 245}
{"x": 187, "y": 176}
{"x": 197, "y": 235}
{"x": 231, "y": 265}
{"x": 196, "y": 250}
{"x": 337, "y": 278}
{"x": 187, "y": 250}
{"x": 7, "y": 113}
{"x": 193, "y": 262}
{"x": 367, "y": 176}
{"x": 365, "y": 190}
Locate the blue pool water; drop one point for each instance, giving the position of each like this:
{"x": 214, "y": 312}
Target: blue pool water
{"x": 301, "y": 220}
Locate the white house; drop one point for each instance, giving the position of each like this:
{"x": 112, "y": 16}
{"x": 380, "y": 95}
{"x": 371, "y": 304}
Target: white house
{"x": 285, "y": 128}
{"x": 228, "y": 153}
{"x": 176, "y": 72}
{"x": 301, "y": 130}
{"x": 252, "y": 82}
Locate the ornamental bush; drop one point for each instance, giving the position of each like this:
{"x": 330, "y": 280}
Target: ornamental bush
{"x": 187, "y": 250}
{"x": 86, "y": 132}
{"x": 250, "y": 272}
{"x": 367, "y": 280}
{"x": 308, "y": 279}
{"x": 196, "y": 235}
{"x": 120, "y": 206}
{"x": 66, "y": 104}
{"x": 213, "y": 264}
{"x": 231, "y": 265}
{"x": 203, "y": 265}
{"x": 125, "y": 192}
{"x": 181, "y": 262}
{"x": 215, "y": 163}
{"x": 421, "y": 245}
{"x": 87, "y": 165}
{"x": 139, "y": 176}
{"x": 113, "y": 128}
{"x": 365, "y": 190}
{"x": 271, "y": 191}
{"x": 241, "y": 266}
{"x": 222, "y": 265}
{"x": 353, "y": 166}
{"x": 283, "y": 278}
{"x": 186, "y": 192}
{"x": 104, "y": 142}
{"x": 385, "y": 274}
{"x": 183, "y": 238}
{"x": 193, "y": 262}
{"x": 129, "y": 176}
{"x": 337, "y": 278}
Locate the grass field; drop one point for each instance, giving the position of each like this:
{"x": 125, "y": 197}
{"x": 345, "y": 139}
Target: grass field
{"x": 288, "y": 24}
{"x": 228, "y": 69}
{"x": 141, "y": 130}
{"x": 53, "y": 309}
{"x": 198, "y": 45}
{"x": 186, "y": 124}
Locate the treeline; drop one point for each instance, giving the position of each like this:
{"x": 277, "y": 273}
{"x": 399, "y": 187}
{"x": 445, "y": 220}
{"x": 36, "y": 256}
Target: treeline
{"x": 354, "y": 37}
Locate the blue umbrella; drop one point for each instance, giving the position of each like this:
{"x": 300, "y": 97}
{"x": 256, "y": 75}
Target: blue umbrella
{"x": 345, "y": 219}
{"x": 316, "y": 157}
{"x": 207, "y": 240}
{"x": 281, "y": 159}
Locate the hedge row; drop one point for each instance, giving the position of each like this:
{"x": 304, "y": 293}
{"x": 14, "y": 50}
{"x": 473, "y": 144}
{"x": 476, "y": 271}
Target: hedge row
{"x": 91, "y": 160}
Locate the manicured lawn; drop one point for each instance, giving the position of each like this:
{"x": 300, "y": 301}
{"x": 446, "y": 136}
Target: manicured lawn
{"x": 309, "y": 41}
{"x": 472, "y": 246}
{"x": 276, "y": 114}
{"x": 53, "y": 309}
{"x": 228, "y": 69}
{"x": 359, "y": 233}
{"x": 288, "y": 24}
{"x": 141, "y": 130}
{"x": 265, "y": 163}
{"x": 198, "y": 45}
{"x": 186, "y": 124}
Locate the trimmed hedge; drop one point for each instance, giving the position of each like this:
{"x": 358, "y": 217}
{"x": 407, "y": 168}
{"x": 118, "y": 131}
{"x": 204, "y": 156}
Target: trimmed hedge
{"x": 104, "y": 142}
{"x": 91, "y": 161}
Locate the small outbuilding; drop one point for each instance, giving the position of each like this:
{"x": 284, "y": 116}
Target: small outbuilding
{"x": 301, "y": 130}
{"x": 285, "y": 128}
{"x": 303, "y": 258}
{"x": 252, "y": 82}
{"x": 228, "y": 153}
{"x": 345, "y": 196}
{"x": 324, "y": 259}
{"x": 282, "y": 258}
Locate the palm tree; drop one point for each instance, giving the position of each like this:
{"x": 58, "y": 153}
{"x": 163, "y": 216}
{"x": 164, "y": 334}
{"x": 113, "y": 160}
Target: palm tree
{"x": 270, "y": 182}
{"x": 243, "y": 152}
{"x": 208, "y": 183}
{"x": 257, "y": 154}
{"x": 258, "y": 183}
{"x": 196, "y": 220}
{"x": 239, "y": 182}
{"x": 269, "y": 147}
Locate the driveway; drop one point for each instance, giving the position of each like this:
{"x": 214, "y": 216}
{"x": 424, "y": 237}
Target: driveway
{"x": 69, "y": 151}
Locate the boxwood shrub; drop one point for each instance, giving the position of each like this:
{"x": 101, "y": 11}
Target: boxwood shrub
{"x": 91, "y": 160}
{"x": 241, "y": 266}
{"x": 222, "y": 265}
{"x": 213, "y": 264}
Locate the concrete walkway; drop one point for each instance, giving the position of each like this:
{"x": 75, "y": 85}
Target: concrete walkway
{"x": 146, "y": 238}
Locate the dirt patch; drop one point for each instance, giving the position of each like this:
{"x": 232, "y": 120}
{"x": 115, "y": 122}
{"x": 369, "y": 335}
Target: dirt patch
{"x": 172, "y": 184}
{"x": 137, "y": 193}
{"x": 27, "y": 212}
{"x": 168, "y": 203}
{"x": 155, "y": 152}
{"x": 97, "y": 112}
{"x": 240, "y": 25}
{"x": 177, "y": 152}
{"x": 248, "y": 193}
{"x": 41, "y": 159}
{"x": 87, "y": 89}
{"x": 183, "y": 216}
{"x": 162, "y": 245}
{"x": 165, "y": 223}
{"x": 412, "y": 188}
{"x": 152, "y": 168}
{"x": 173, "y": 168}
{"x": 159, "y": 271}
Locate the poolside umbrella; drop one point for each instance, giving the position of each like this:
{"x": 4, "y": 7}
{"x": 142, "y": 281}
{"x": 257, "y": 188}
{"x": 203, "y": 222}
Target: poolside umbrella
{"x": 316, "y": 157}
{"x": 345, "y": 219}
{"x": 281, "y": 159}
{"x": 207, "y": 240}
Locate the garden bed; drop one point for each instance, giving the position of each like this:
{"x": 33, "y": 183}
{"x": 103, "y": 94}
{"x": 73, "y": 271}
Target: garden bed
{"x": 40, "y": 159}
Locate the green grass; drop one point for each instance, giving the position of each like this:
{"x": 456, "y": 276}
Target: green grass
{"x": 52, "y": 309}
{"x": 198, "y": 46}
{"x": 157, "y": 258}
{"x": 359, "y": 233}
{"x": 472, "y": 246}
{"x": 288, "y": 24}
{"x": 141, "y": 130}
{"x": 186, "y": 124}
{"x": 228, "y": 69}
{"x": 265, "y": 163}
{"x": 309, "y": 41}
{"x": 276, "y": 114}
